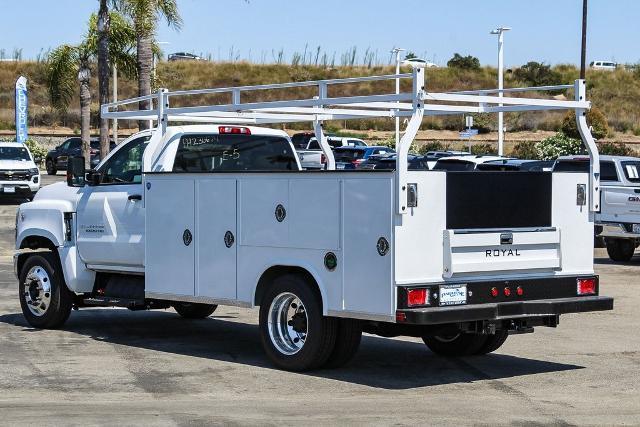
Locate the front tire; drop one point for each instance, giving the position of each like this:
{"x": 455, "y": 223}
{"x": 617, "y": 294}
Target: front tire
{"x": 294, "y": 333}
{"x": 621, "y": 250}
{"x": 194, "y": 311}
{"x": 45, "y": 300}
{"x": 51, "y": 167}
{"x": 455, "y": 344}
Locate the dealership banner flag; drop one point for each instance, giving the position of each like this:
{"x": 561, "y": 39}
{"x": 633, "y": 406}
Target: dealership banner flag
{"x": 22, "y": 109}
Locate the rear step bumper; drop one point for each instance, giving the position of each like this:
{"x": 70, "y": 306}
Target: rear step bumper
{"x": 504, "y": 310}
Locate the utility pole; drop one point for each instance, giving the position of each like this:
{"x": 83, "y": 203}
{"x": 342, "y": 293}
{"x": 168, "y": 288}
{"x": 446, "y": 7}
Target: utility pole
{"x": 397, "y": 51}
{"x": 583, "y": 54}
{"x": 500, "y": 32}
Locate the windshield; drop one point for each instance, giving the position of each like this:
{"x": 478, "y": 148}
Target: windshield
{"x": 300, "y": 140}
{"x": 14, "y": 153}
{"x": 632, "y": 170}
{"x": 454, "y": 165}
{"x": 212, "y": 153}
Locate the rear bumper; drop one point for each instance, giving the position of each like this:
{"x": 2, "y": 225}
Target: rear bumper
{"x": 617, "y": 231}
{"x": 505, "y": 310}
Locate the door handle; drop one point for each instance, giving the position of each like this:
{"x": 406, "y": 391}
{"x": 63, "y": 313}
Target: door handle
{"x": 134, "y": 197}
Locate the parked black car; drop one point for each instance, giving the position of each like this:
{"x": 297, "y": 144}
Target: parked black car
{"x": 516, "y": 165}
{"x": 353, "y": 157}
{"x": 57, "y": 158}
{"x": 388, "y": 162}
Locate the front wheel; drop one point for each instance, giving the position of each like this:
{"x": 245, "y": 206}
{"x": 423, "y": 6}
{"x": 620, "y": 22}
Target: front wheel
{"x": 621, "y": 250}
{"x": 294, "y": 333}
{"x": 194, "y": 311}
{"x": 45, "y": 300}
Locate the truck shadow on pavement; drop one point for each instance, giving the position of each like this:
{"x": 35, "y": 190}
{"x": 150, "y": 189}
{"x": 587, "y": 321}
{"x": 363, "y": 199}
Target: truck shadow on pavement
{"x": 381, "y": 362}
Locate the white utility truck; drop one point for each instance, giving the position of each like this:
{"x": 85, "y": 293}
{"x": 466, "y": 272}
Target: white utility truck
{"x": 219, "y": 213}
{"x": 618, "y": 221}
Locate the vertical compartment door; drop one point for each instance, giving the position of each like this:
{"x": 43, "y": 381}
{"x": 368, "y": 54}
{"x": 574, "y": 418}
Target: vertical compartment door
{"x": 170, "y": 237}
{"x": 217, "y": 243}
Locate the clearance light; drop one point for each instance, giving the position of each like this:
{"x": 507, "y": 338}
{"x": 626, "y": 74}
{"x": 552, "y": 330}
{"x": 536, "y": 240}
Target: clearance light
{"x": 234, "y": 130}
{"x": 586, "y": 286}
{"x": 507, "y": 292}
{"x": 401, "y": 317}
{"x": 417, "y": 297}
{"x": 494, "y": 292}
{"x": 520, "y": 291}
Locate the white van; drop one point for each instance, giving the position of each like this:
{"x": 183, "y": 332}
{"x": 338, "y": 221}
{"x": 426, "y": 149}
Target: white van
{"x": 604, "y": 65}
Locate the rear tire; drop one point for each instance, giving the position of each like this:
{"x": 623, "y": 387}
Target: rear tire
{"x": 493, "y": 342}
{"x": 456, "y": 345}
{"x": 44, "y": 297}
{"x": 194, "y": 311}
{"x": 348, "y": 337}
{"x": 621, "y": 250}
{"x": 294, "y": 333}
{"x": 51, "y": 167}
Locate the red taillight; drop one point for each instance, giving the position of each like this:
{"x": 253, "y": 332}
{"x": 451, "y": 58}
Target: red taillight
{"x": 507, "y": 292}
{"x": 519, "y": 291}
{"x": 323, "y": 158}
{"x": 586, "y": 286}
{"x": 494, "y": 292}
{"x": 417, "y": 297}
{"x": 401, "y": 317}
{"x": 357, "y": 162}
{"x": 94, "y": 151}
{"x": 236, "y": 130}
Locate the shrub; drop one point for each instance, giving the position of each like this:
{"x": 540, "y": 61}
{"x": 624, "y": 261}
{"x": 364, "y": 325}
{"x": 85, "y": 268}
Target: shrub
{"x": 537, "y": 74}
{"x": 36, "y": 149}
{"x": 595, "y": 119}
{"x": 484, "y": 122}
{"x": 615, "y": 149}
{"x": 464, "y": 62}
{"x": 525, "y": 150}
{"x": 483, "y": 149}
{"x": 431, "y": 146}
{"x": 558, "y": 145}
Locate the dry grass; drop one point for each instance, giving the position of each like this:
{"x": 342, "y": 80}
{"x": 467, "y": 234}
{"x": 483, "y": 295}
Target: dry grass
{"x": 617, "y": 93}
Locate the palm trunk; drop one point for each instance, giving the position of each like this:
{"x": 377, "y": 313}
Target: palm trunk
{"x": 103, "y": 72}
{"x": 84, "y": 77}
{"x": 145, "y": 65}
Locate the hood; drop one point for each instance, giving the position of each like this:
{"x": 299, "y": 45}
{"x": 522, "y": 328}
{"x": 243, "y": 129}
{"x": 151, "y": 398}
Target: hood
{"x": 59, "y": 191}
{"x": 17, "y": 164}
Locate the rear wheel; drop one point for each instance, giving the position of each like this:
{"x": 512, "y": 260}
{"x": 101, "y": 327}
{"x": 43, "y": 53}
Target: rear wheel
{"x": 45, "y": 300}
{"x": 493, "y": 342}
{"x": 194, "y": 311}
{"x": 348, "y": 337}
{"x": 51, "y": 167}
{"x": 294, "y": 333}
{"x": 455, "y": 344}
{"x": 621, "y": 250}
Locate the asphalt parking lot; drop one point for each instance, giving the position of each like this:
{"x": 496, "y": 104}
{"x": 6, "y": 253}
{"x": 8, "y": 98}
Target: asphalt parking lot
{"x": 112, "y": 366}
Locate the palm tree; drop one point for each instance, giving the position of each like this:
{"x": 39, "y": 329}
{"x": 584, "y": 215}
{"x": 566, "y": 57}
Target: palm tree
{"x": 103, "y": 72}
{"x": 145, "y": 15}
{"x": 69, "y": 65}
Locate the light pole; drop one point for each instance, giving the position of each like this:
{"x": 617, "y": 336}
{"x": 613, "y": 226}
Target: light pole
{"x": 583, "y": 50}
{"x": 500, "y": 33}
{"x": 396, "y": 51}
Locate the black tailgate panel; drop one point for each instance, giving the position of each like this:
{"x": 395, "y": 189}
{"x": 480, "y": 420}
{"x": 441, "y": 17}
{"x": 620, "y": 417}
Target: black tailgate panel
{"x": 498, "y": 199}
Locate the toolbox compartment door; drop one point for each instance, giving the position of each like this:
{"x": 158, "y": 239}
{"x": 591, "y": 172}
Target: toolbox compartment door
{"x": 467, "y": 252}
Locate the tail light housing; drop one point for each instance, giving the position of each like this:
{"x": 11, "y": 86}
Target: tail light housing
{"x": 234, "y": 130}
{"x": 416, "y": 297}
{"x": 586, "y": 286}
{"x": 357, "y": 162}
{"x": 323, "y": 158}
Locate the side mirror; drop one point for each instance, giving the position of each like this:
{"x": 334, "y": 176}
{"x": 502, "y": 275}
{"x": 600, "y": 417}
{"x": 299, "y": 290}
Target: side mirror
{"x": 75, "y": 172}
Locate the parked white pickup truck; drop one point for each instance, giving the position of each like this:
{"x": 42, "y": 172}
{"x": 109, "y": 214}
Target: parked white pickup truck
{"x": 312, "y": 157}
{"x": 191, "y": 217}
{"x": 619, "y": 218}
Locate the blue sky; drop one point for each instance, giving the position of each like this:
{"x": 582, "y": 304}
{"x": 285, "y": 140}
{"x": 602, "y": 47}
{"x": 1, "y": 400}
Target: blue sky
{"x": 543, "y": 30}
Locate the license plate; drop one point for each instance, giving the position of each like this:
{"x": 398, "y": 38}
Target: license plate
{"x": 339, "y": 165}
{"x": 9, "y": 189}
{"x": 453, "y": 294}
{"x": 635, "y": 228}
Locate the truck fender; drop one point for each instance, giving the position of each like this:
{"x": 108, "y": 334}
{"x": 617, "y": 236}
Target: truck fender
{"x": 42, "y": 218}
{"x": 276, "y": 268}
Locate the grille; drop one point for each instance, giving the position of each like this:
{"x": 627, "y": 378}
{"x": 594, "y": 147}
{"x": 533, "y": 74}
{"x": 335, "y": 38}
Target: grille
{"x": 6, "y": 175}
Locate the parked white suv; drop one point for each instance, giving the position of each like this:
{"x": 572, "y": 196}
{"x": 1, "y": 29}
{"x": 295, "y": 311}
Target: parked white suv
{"x": 19, "y": 175}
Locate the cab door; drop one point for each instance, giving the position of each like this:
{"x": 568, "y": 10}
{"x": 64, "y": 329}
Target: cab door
{"x": 110, "y": 215}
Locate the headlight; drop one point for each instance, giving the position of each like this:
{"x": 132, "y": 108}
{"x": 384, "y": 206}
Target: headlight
{"x": 34, "y": 171}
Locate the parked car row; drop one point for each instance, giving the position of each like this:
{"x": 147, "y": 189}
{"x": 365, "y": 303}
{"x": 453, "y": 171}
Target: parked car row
{"x": 57, "y": 158}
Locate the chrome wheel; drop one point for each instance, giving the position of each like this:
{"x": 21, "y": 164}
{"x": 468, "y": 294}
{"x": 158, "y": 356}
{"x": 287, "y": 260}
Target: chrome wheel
{"x": 287, "y": 323}
{"x": 37, "y": 291}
